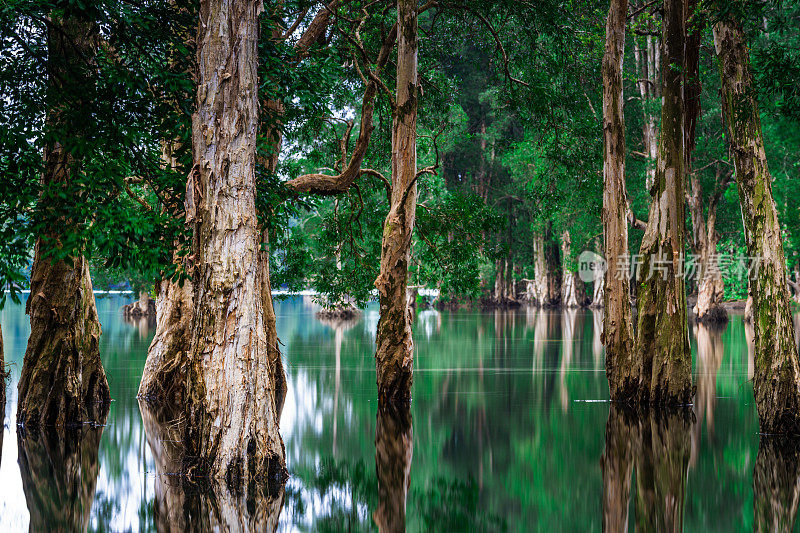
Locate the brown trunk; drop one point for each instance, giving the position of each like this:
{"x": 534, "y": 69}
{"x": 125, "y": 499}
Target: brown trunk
{"x": 776, "y": 484}
{"x": 617, "y": 466}
{"x": 394, "y": 445}
{"x": 662, "y": 342}
{"x": 233, "y": 424}
{"x": 553, "y": 273}
{"x": 395, "y": 351}
{"x": 777, "y": 372}
{"x": 62, "y": 381}
{"x": 647, "y": 60}
{"x": 59, "y": 472}
{"x": 622, "y": 367}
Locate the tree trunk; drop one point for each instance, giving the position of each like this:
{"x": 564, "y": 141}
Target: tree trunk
{"x": 777, "y": 373}
{"x": 540, "y": 270}
{"x": 62, "y": 381}
{"x": 394, "y": 446}
{"x": 617, "y": 466}
{"x": 569, "y": 297}
{"x": 553, "y": 273}
{"x": 59, "y": 473}
{"x": 164, "y": 375}
{"x": 233, "y": 424}
{"x": 395, "y": 351}
{"x": 647, "y": 60}
{"x": 776, "y": 484}
{"x": 622, "y": 367}
{"x": 662, "y": 335}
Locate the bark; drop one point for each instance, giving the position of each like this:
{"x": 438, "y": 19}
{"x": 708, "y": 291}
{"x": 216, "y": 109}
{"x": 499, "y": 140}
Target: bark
{"x": 617, "y": 465}
{"x": 622, "y": 367}
{"x": 165, "y": 370}
{"x": 59, "y": 472}
{"x": 662, "y": 342}
{"x": 569, "y": 298}
{"x": 63, "y": 381}
{"x": 394, "y": 445}
{"x": 553, "y": 273}
{"x": 647, "y": 60}
{"x": 777, "y": 372}
{"x": 662, "y": 462}
{"x": 177, "y": 507}
{"x": 232, "y": 431}
{"x": 540, "y": 270}
{"x": 776, "y": 484}
{"x": 395, "y": 350}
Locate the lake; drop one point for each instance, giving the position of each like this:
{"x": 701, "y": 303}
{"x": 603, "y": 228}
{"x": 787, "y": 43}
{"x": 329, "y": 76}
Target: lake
{"x": 509, "y": 427}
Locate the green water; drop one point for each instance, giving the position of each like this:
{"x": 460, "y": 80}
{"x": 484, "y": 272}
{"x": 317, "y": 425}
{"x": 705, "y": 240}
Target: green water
{"x": 509, "y": 426}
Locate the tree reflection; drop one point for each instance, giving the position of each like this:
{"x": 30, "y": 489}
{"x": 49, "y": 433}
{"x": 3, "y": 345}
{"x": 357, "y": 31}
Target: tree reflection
{"x": 181, "y": 506}
{"x": 657, "y": 445}
{"x": 710, "y": 351}
{"x": 393, "y": 451}
{"x": 59, "y": 472}
{"x": 776, "y": 484}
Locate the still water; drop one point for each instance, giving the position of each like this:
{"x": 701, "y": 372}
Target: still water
{"x": 509, "y": 425}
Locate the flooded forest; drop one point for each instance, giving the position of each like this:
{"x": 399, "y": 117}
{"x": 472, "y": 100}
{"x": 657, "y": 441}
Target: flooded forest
{"x": 399, "y": 265}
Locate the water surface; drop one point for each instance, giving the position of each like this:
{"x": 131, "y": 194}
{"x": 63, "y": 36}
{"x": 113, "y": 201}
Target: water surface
{"x": 508, "y": 427}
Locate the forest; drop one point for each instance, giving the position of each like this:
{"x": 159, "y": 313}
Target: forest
{"x": 395, "y": 165}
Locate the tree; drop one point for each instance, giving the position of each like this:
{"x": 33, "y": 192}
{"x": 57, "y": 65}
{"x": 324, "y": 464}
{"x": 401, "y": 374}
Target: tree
{"x": 622, "y": 366}
{"x": 662, "y": 337}
{"x": 233, "y": 423}
{"x": 777, "y": 371}
{"x": 395, "y": 351}
{"x": 63, "y": 381}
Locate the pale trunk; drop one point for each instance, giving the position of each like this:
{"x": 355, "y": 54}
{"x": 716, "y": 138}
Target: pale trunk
{"x": 395, "y": 350}
{"x": 622, "y": 367}
{"x": 233, "y": 424}
{"x": 569, "y": 297}
{"x": 710, "y": 350}
{"x": 777, "y": 372}
{"x": 647, "y": 60}
{"x": 540, "y": 271}
{"x": 662, "y": 335}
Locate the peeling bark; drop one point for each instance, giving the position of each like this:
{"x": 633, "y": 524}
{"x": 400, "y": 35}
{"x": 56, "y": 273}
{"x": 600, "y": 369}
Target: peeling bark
{"x": 622, "y": 367}
{"x": 662, "y": 342}
{"x": 395, "y": 351}
{"x": 394, "y": 445}
{"x": 540, "y": 271}
{"x": 232, "y": 431}
{"x": 59, "y": 473}
{"x": 777, "y": 371}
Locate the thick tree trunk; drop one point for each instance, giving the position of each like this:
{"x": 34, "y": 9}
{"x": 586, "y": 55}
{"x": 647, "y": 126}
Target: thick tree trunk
{"x": 395, "y": 351}
{"x": 662, "y": 342}
{"x": 62, "y": 381}
{"x": 59, "y": 473}
{"x": 394, "y": 445}
{"x": 622, "y": 367}
{"x": 233, "y": 424}
{"x": 776, "y": 484}
{"x": 553, "y": 273}
{"x": 540, "y": 270}
{"x": 617, "y": 465}
{"x": 777, "y": 372}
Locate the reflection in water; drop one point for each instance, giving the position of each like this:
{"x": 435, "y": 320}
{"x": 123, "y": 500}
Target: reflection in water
{"x": 750, "y": 339}
{"x": 143, "y": 324}
{"x": 710, "y": 350}
{"x": 776, "y": 484}
{"x": 658, "y": 445}
{"x": 393, "y": 451}
{"x": 59, "y": 473}
{"x": 568, "y": 317}
{"x": 179, "y": 506}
